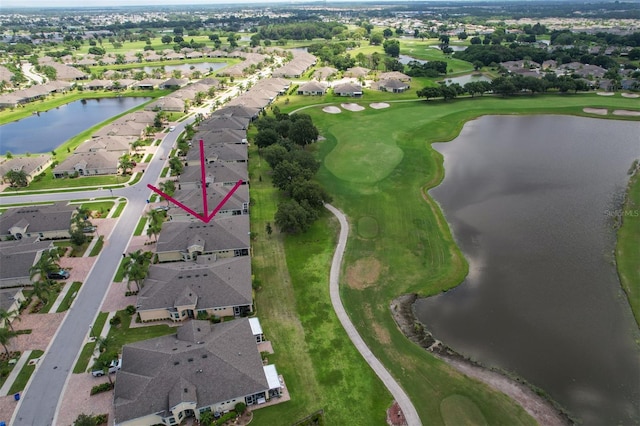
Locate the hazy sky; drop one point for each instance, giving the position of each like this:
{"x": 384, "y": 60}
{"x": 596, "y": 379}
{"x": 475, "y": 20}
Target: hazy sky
{"x": 106, "y": 3}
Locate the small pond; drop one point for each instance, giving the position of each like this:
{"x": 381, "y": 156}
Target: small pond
{"x": 45, "y": 131}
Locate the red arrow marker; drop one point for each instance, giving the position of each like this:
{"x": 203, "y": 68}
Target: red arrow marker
{"x": 205, "y": 217}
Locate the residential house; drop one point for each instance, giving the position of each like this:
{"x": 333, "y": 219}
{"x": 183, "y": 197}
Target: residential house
{"x": 10, "y": 301}
{"x": 348, "y": 89}
{"x": 43, "y": 221}
{"x": 122, "y": 128}
{"x": 31, "y": 166}
{"x": 218, "y": 136}
{"x": 166, "y": 103}
{"x": 17, "y": 257}
{"x": 119, "y": 144}
{"x": 180, "y": 291}
{"x": 312, "y": 88}
{"x": 203, "y": 367}
{"x": 218, "y": 122}
{"x": 227, "y": 152}
{"x": 391, "y": 85}
{"x": 237, "y": 111}
{"x": 222, "y": 237}
{"x": 357, "y": 72}
{"x": 236, "y": 204}
{"x": 173, "y": 83}
{"x": 226, "y": 173}
{"x": 88, "y": 164}
{"x": 323, "y": 73}
{"x": 394, "y": 75}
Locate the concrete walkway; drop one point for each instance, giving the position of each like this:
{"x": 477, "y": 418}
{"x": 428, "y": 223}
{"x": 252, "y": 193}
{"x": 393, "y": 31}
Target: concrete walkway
{"x": 4, "y": 390}
{"x": 409, "y": 411}
{"x": 103, "y": 334}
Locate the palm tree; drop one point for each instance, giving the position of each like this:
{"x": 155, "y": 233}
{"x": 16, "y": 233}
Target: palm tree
{"x": 155, "y": 222}
{"x": 5, "y": 337}
{"x": 7, "y": 316}
{"x": 169, "y": 188}
{"x": 47, "y": 263}
{"x": 136, "y": 267}
{"x": 41, "y": 290}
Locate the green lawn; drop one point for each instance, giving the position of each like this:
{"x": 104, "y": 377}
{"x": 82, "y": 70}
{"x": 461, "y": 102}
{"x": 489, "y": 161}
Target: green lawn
{"x": 69, "y": 297}
{"x": 98, "y": 247}
{"x": 121, "y": 205}
{"x": 23, "y": 376}
{"x": 313, "y": 353}
{"x": 122, "y": 334}
{"x": 87, "y": 350}
{"x": 628, "y": 246}
{"x": 140, "y": 226}
{"x": 119, "y": 276}
{"x": 400, "y": 242}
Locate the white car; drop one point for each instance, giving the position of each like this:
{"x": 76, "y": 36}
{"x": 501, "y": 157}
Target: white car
{"x": 172, "y": 128}
{"x": 115, "y": 365}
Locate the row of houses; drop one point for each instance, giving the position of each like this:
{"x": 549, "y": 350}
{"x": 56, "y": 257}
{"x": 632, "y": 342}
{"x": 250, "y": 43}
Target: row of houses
{"x": 203, "y": 269}
{"x": 33, "y": 93}
{"x": 394, "y": 82}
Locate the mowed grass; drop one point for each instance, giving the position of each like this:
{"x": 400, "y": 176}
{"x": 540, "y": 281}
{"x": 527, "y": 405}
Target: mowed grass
{"x": 628, "y": 246}
{"x": 321, "y": 368}
{"x": 413, "y": 244}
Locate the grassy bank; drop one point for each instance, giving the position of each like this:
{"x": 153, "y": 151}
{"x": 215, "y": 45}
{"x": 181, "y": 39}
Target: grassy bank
{"x": 378, "y": 165}
{"x": 628, "y": 246}
{"x": 321, "y": 368}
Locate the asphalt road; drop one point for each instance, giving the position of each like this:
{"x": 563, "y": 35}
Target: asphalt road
{"x": 409, "y": 411}
{"x": 40, "y": 400}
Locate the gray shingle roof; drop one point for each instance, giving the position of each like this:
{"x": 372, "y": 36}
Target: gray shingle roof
{"x": 224, "y": 233}
{"x": 225, "y": 282}
{"x": 216, "y": 171}
{"x": 18, "y": 256}
{"x": 213, "y": 363}
{"x": 220, "y": 151}
{"x": 39, "y": 218}
{"x": 215, "y": 194}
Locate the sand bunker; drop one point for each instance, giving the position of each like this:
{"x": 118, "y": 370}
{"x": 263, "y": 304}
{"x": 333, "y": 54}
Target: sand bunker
{"x": 352, "y": 107}
{"x": 626, "y": 112}
{"x": 379, "y": 105}
{"x": 332, "y": 110}
{"x": 605, "y": 93}
{"x": 599, "y": 111}
{"x": 630, "y": 95}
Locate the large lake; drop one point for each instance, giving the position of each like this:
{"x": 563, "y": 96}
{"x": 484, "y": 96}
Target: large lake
{"x": 530, "y": 201}
{"x": 46, "y": 131}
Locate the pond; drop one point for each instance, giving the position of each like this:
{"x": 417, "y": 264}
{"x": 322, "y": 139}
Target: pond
{"x": 45, "y": 131}
{"x": 530, "y": 201}
{"x": 203, "y": 67}
{"x": 464, "y": 79}
{"x": 405, "y": 59}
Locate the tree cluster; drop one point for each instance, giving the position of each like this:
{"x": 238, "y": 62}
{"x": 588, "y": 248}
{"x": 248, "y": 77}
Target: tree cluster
{"x": 492, "y": 55}
{"x": 301, "y": 31}
{"x": 428, "y": 69}
{"x": 282, "y": 140}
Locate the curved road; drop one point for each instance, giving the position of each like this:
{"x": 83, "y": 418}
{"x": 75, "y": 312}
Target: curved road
{"x": 40, "y": 400}
{"x": 409, "y": 411}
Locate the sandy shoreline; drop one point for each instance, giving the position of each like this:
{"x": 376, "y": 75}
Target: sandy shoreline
{"x": 541, "y": 409}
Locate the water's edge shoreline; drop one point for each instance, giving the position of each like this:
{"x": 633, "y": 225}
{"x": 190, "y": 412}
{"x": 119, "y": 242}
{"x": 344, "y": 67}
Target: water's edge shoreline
{"x": 534, "y": 401}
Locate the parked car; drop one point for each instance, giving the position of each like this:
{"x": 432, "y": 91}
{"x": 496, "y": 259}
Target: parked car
{"x": 89, "y": 228}
{"x": 161, "y": 208}
{"x": 172, "y": 128}
{"x": 58, "y": 275}
{"x": 115, "y": 365}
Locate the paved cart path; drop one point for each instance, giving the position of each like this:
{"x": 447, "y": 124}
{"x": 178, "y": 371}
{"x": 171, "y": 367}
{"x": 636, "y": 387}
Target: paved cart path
{"x": 409, "y": 411}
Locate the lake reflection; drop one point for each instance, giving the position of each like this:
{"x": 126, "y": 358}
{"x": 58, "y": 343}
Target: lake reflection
{"x": 46, "y": 131}
{"x": 529, "y": 202}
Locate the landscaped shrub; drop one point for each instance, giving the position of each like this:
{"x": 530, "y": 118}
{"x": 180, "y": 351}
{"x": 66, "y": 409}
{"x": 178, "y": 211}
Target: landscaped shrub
{"x": 101, "y": 419}
{"x": 116, "y": 320}
{"x": 130, "y": 309}
{"x": 225, "y": 418}
{"x": 240, "y": 407}
{"x": 105, "y": 387}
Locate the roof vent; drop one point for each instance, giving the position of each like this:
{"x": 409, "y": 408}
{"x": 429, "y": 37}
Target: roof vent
{"x": 176, "y": 362}
{"x": 205, "y": 355}
{"x": 190, "y": 359}
{"x": 186, "y": 390}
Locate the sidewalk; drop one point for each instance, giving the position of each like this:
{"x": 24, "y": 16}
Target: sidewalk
{"x": 103, "y": 334}
{"x": 4, "y": 390}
